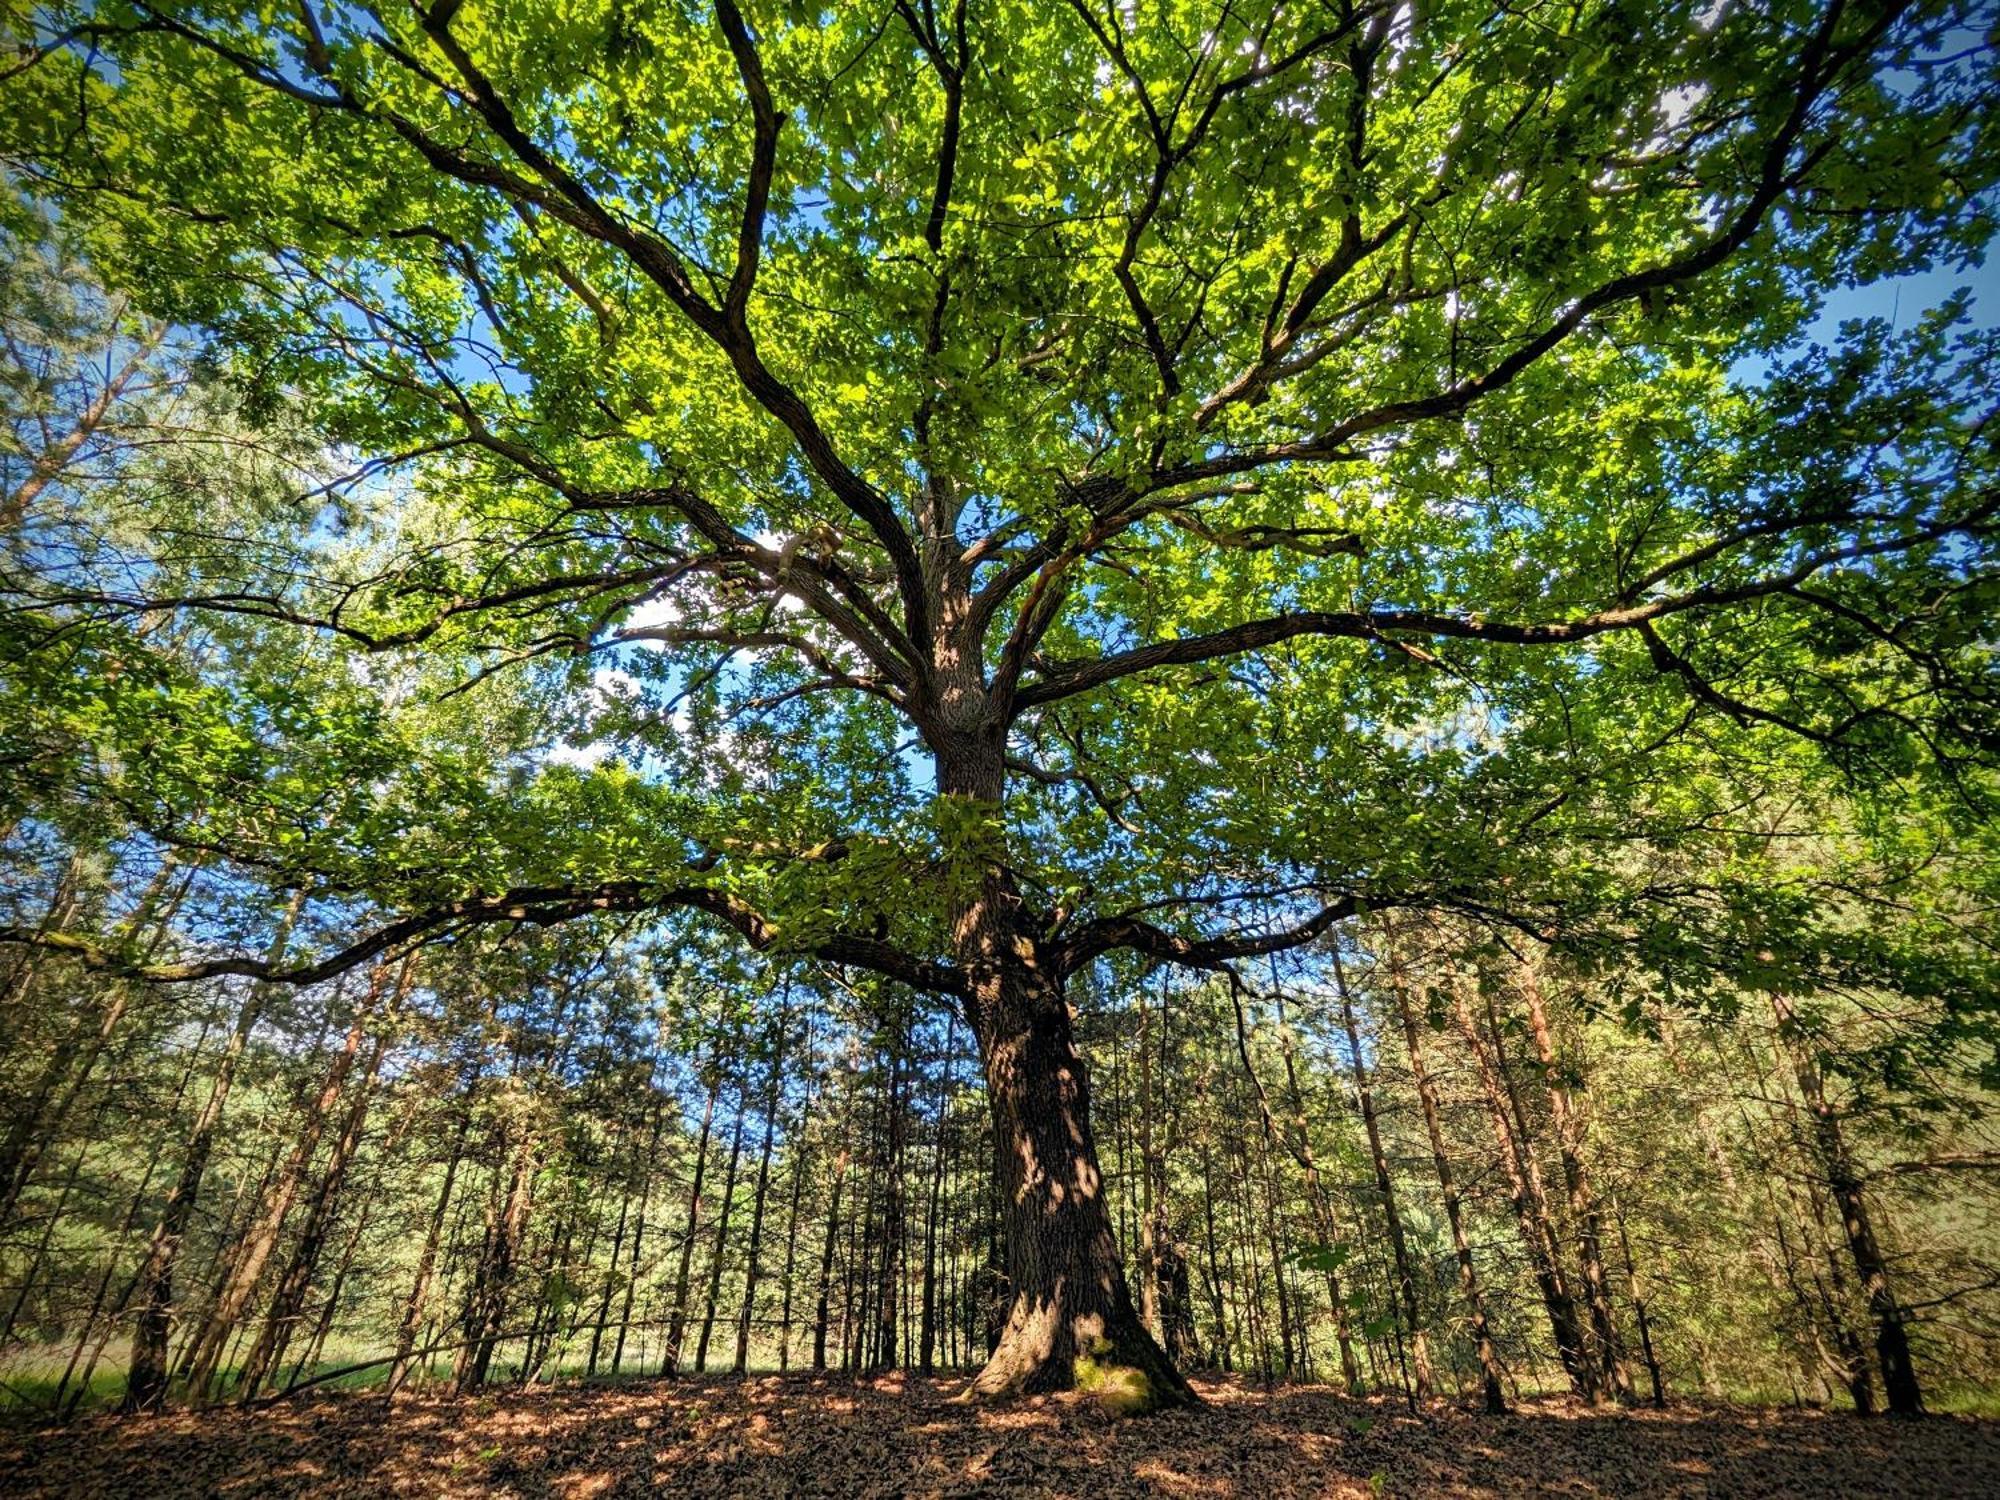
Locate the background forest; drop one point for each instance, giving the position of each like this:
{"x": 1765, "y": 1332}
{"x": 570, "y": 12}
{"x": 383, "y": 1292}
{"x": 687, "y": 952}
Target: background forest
{"x": 536, "y": 842}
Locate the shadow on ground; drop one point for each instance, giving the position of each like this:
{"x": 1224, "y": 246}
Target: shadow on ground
{"x": 800, "y": 1436}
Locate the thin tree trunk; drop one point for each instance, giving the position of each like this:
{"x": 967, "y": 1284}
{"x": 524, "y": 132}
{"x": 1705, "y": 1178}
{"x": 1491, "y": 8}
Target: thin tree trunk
{"x": 1584, "y": 1209}
{"x": 1269, "y": 1183}
{"x": 133, "y": 1209}
{"x": 260, "y": 1238}
{"x": 486, "y": 1308}
{"x": 1385, "y": 1188}
{"x": 639, "y": 1225}
{"x": 824, "y": 1308}
{"x": 610, "y": 1281}
{"x": 38, "y": 1122}
{"x": 928, "y": 1333}
{"x": 721, "y": 1239}
{"x": 1537, "y": 1234}
{"x": 889, "y": 1272}
{"x": 1152, "y": 1180}
{"x": 413, "y": 1306}
{"x": 1468, "y": 1275}
{"x": 756, "y": 1244}
{"x": 289, "y": 1302}
{"x": 800, "y": 1156}
{"x": 1892, "y": 1339}
{"x": 146, "y": 1382}
{"x": 1638, "y": 1295}
{"x": 1222, "y": 1339}
{"x": 677, "y": 1316}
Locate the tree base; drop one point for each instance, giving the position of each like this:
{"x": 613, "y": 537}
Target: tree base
{"x": 1127, "y": 1376}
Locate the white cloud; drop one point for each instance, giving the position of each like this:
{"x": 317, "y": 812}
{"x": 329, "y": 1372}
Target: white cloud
{"x": 610, "y": 683}
{"x": 651, "y": 614}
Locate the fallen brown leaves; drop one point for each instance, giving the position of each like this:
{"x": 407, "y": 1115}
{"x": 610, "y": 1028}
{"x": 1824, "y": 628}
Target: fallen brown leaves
{"x": 902, "y": 1437}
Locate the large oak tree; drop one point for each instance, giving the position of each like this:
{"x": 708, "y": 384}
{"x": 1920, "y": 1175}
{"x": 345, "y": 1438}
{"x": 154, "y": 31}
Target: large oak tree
{"x": 1018, "y": 467}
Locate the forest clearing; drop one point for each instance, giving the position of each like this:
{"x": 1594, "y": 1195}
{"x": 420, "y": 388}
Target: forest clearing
{"x": 1172, "y": 747}
{"x": 899, "y": 1437}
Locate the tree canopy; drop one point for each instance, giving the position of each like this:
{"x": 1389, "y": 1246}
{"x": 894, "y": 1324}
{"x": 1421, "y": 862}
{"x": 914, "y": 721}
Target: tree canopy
{"x": 969, "y": 490}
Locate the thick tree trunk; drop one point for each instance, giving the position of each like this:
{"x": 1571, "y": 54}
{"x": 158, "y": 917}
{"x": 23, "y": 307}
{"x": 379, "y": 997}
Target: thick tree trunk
{"x": 1071, "y": 1316}
{"x": 1070, "y": 1301}
{"x": 1892, "y": 1339}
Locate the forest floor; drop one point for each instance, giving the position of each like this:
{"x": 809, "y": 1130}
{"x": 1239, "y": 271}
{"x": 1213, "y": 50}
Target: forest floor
{"x": 898, "y": 1436}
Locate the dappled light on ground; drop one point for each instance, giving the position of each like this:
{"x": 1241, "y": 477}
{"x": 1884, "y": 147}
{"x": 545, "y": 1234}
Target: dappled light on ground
{"x": 800, "y": 1436}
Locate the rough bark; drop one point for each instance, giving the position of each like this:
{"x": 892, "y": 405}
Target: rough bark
{"x": 1071, "y": 1315}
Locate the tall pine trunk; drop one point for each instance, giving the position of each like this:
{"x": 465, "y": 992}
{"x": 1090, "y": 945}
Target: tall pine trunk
{"x": 146, "y": 1380}
{"x": 721, "y": 1240}
{"x": 1385, "y": 1189}
{"x": 670, "y": 1363}
{"x": 800, "y": 1157}
{"x": 1537, "y": 1234}
{"x": 413, "y": 1305}
{"x": 288, "y": 1304}
{"x": 756, "y": 1243}
{"x": 260, "y": 1238}
{"x": 1583, "y": 1204}
{"x": 927, "y": 1350}
{"x": 1892, "y": 1339}
{"x": 1468, "y": 1274}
